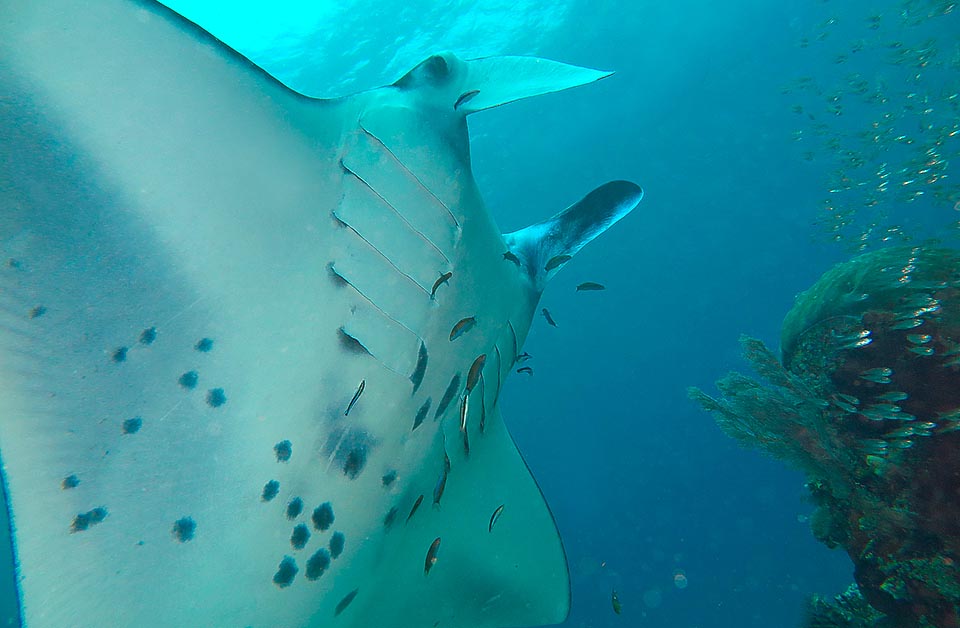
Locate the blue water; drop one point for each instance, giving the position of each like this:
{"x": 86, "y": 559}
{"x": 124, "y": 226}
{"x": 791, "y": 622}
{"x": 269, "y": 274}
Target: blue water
{"x": 641, "y": 481}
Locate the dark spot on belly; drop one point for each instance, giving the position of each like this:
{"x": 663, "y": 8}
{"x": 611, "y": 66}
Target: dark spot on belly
{"x": 216, "y": 397}
{"x": 132, "y": 426}
{"x": 189, "y": 380}
{"x": 148, "y": 335}
{"x": 355, "y": 461}
{"x": 294, "y": 508}
{"x": 119, "y": 355}
{"x": 285, "y": 572}
{"x": 300, "y": 536}
{"x": 323, "y": 516}
{"x": 318, "y": 563}
{"x": 204, "y": 345}
{"x": 337, "y": 541}
{"x": 38, "y": 311}
{"x": 71, "y": 481}
{"x": 270, "y": 490}
{"x": 84, "y": 520}
{"x": 389, "y": 477}
{"x": 283, "y": 449}
{"x": 345, "y": 602}
{"x": 13, "y": 263}
{"x": 184, "y": 529}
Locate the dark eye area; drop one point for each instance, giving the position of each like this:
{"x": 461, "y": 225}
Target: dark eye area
{"x": 435, "y": 68}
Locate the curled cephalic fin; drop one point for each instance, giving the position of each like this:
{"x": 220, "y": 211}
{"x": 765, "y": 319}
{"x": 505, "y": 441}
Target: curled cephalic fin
{"x": 544, "y": 248}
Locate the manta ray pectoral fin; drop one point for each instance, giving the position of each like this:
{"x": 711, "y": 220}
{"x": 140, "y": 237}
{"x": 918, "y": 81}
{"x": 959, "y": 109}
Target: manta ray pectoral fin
{"x": 543, "y": 248}
{"x": 478, "y": 84}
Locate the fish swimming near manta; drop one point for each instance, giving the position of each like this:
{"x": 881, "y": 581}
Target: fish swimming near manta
{"x": 202, "y": 267}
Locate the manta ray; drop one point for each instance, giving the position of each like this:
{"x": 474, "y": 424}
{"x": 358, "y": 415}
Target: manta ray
{"x": 252, "y": 343}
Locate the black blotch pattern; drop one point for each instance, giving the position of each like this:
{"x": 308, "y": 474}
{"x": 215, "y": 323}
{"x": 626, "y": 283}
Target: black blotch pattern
{"x": 389, "y": 477}
{"x": 148, "y": 335}
{"x": 337, "y": 541}
{"x": 318, "y": 563}
{"x": 119, "y": 355}
{"x": 84, "y": 520}
{"x": 345, "y": 602}
{"x": 38, "y": 311}
{"x": 323, "y": 516}
{"x": 285, "y": 572}
{"x": 283, "y": 449}
{"x": 189, "y": 380}
{"x": 294, "y": 508}
{"x": 389, "y": 519}
{"x": 204, "y": 345}
{"x": 448, "y": 396}
{"x": 132, "y": 426}
{"x": 355, "y": 461}
{"x": 349, "y": 447}
{"x": 184, "y": 529}
{"x": 13, "y": 263}
{"x": 422, "y": 413}
{"x": 71, "y": 481}
{"x": 300, "y": 536}
{"x": 270, "y": 490}
{"x": 216, "y": 397}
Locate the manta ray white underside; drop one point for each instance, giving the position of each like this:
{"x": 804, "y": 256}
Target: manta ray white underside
{"x": 252, "y": 343}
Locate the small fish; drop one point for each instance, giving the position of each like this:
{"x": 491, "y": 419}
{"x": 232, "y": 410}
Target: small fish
{"x": 483, "y": 415}
{"x": 919, "y": 339}
{"x": 876, "y": 446}
{"x": 444, "y": 278}
{"x": 523, "y": 357}
{"x": 908, "y": 323}
{"x": 356, "y": 396}
{"x": 858, "y": 344}
{"x": 546, "y": 315}
{"x": 843, "y": 405}
{"x": 893, "y": 396}
{"x": 588, "y": 286}
{"x": 464, "y": 411}
{"x": 465, "y": 97}
{"x": 476, "y": 369}
{"x": 849, "y": 399}
{"x": 556, "y": 262}
{"x": 345, "y": 602}
{"x": 511, "y": 257}
{"x": 879, "y": 375}
{"x": 416, "y": 505}
{"x": 441, "y": 481}
{"x": 525, "y": 369}
{"x": 903, "y": 432}
{"x": 431, "y": 556}
{"x": 615, "y": 601}
{"x": 462, "y": 327}
{"x": 921, "y": 350}
{"x": 495, "y": 517}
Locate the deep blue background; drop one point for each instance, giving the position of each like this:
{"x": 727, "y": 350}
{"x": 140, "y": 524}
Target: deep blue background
{"x": 642, "y": 482}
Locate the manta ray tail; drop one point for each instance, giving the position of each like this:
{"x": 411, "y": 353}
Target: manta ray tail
{"x": 543, "y": 248}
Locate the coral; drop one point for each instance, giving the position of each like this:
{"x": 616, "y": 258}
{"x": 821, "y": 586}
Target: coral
{"x": 866, "y": 402}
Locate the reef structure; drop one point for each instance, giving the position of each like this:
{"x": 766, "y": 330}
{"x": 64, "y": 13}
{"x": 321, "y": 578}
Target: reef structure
{"x": 866, "y": 402}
